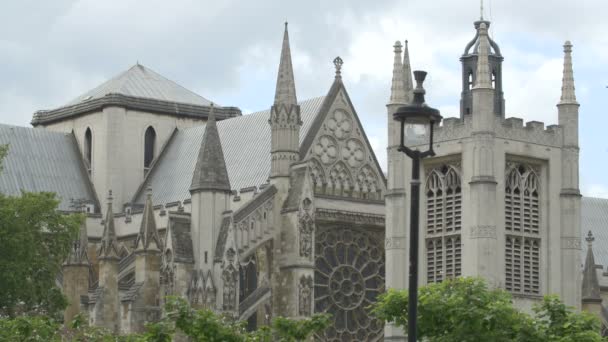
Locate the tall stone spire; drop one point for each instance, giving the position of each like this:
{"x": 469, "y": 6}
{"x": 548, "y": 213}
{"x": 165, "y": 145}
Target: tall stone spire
{"x": 147, "y": 231}
{"x": 407, "y": 75}
{"x": 285, "y": 92}
{"x": 568, "y": 94}
{"x": 108, "y": 246}
{"x": 398, "y": 95}
{"x": 484, "y": 79}
{"x": 285, "y": 120}
{"x": 210, "y": 172}
{"x": 591, "y": 286}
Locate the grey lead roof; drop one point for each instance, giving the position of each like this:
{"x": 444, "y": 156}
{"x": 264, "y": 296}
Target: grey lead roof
{"x": 139, "y": 81}
{"x": 246, "y": 144}
{"x": 40, "y": 160}
{"x": 594, "y": 218}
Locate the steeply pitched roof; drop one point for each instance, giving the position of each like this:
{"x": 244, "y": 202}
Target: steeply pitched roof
{"x": 210, "y": 172}
{"x": 40, "y": 160}
{"x": 594, "y": 218}
{"x": 140, "y": 81}
{"x": 138, "y": 88}
{"x": 246, "y": 145}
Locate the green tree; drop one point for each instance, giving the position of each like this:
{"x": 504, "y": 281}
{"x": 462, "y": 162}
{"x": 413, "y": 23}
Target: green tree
{"x": 34, "y": 241}
{"x": 465, "y": 309}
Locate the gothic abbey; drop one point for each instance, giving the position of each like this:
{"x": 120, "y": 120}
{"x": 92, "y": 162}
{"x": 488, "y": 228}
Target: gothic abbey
{"x": 287, "y": 211}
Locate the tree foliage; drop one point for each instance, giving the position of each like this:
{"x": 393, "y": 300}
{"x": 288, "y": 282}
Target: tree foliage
{"x": 465, "y": 309}
{"x": 34, "y": 241}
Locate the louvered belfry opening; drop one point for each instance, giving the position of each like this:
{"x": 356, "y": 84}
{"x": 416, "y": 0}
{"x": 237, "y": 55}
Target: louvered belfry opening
{"x": 444, "y": 223}
{"x": 522, "y": 226}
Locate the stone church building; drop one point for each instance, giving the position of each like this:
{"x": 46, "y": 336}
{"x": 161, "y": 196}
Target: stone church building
{"x": 287, "y": 212}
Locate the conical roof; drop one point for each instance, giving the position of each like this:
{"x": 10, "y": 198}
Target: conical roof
{"x": 210, "y": 172}
{"x": 140, "y": 81}
{"x": 285, "y": 92}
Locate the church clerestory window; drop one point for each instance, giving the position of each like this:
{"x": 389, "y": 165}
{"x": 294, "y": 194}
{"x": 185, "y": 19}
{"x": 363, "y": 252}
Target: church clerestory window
{"x": 149, "y": 148}
{"x": 443, "y": 223}
{"x": 88, "y": 149}
{"x": 522, "y": 225}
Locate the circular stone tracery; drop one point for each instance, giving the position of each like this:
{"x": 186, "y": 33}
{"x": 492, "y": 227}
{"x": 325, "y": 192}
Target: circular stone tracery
{"x": 349, "y": 275}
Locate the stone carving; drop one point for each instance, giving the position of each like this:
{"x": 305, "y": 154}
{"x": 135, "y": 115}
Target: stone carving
{"x": 229, "y": 277}
{"x": 479, "y": 232}
{"x": 571, "y": 243}
{"x": 167, "y": 274}
{"x": 326, "y": 149}
{"x": 353, "y": 153}
{"x": 340, "y": 124}
{"x": 349, "y": 216}
{"x": 349, "y": 275}
{"x": 340, "y": 180}
{"x": 317, "y": 174}
{"x": 367, "y": 183}
{"x": 306, "y": 227}
{"x": 305, "y": 296}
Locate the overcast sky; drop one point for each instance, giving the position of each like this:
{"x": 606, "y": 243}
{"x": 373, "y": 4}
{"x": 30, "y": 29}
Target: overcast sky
{"x": 228, "y": 52}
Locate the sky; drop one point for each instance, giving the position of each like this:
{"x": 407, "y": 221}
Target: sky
{"x": 228, "y": 52}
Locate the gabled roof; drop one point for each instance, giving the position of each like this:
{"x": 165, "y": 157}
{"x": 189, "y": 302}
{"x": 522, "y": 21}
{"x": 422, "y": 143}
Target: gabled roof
{"x": 140, "y": 81}
{"x": 40, "y": 160}
{"x": 246, "y": 145}
{"x": 138, "y": 88}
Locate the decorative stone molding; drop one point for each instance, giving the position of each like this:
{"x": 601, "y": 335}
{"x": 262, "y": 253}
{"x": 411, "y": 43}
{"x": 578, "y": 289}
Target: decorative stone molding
{"x": 306, "y": 228}
{"x": 571, "y": 243}
{"x": 349, "y": 216}
{"x": 326, "y": 149}
{"x": 395, "y": 242}
{"x": 305, "y": 296}
{"x": 340, "y": 124}
{"x": 481, "y": 232}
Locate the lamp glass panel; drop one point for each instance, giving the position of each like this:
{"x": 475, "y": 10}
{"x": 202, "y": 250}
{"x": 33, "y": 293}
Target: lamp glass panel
{"x": 416, "y": 136}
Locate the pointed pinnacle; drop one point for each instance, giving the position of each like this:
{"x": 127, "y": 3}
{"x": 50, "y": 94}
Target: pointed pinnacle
{"x": 285, "y": 92}
{"x": 398, "y": 95}
{"x": 483, "y": 64}
{"x": 568, "y": 91}
{"x": 407, "y": 75}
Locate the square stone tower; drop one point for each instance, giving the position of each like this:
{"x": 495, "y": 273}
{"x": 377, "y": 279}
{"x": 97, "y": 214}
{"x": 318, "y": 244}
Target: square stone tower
{"x": 499, "y": 200}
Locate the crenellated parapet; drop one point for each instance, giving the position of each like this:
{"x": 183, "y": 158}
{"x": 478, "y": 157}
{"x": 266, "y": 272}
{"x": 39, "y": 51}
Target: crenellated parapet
{"x": 532, "y": 132}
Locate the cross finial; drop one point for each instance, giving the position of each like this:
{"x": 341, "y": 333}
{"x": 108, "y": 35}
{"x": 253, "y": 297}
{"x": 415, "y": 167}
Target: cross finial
{"x": 110, "y": 196}
{"x": 149, "y": 192}
{"x": 338, "y": 64}
{"x": 590, "y": 238}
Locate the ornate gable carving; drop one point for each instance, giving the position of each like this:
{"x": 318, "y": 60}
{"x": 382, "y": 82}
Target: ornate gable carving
{"x": 340, "y": 160}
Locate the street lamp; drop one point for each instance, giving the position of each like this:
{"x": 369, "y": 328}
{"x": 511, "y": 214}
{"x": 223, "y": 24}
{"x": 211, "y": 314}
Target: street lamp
{"x": 416, "y": 118}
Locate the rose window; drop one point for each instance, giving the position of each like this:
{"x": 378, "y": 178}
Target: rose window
{"x": 340, "y": 124}
{"x": 353, "y": 153}
{"x": 349, "y": 275}
{"x": 326, "y": 150}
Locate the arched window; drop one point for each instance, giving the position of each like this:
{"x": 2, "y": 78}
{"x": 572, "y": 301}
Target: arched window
{"x": 470, "y": 81}
{"x": 88, "y": 148}
{"x": 522, "y": 225}
{"x": 443, "y": 223}
{"x": 494, "y": 79}
{"x": 149, "y": 147}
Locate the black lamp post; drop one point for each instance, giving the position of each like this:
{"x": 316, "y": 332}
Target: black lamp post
{"x": 417, "y": 115}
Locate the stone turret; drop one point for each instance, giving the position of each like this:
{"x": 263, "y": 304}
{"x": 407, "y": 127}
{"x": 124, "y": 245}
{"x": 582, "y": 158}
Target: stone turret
{"x": 210, "y": 191}
{"x": 285, "y": 119}
{"x": 592, "y": 300}
{"x": 76, "y": 274}
{"x": 470, "y": 60}
{"x": 147, "y": 270}
{"x": 570, "y": 196}
{"x": 483, "y": 176}
{"x": 396, "y": 199}
{"x": 106, "y": 309}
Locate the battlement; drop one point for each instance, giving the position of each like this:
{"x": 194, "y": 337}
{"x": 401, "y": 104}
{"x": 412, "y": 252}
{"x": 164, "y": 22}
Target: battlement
{"x": 510, "y": 128}
{"x": 532, "y": 132}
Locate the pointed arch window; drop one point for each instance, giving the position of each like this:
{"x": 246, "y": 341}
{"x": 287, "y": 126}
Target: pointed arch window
{"x": 443, "y": 223}
{"x": 88, "y": 149}
{"x": 522, "y": 225}
{"x": 149, "y": 147}
{"x": 470, "y": 80}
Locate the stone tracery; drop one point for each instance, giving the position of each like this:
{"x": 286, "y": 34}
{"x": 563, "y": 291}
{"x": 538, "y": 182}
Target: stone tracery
{"x": 349, "y": 275}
